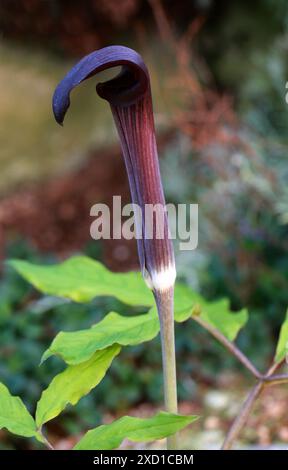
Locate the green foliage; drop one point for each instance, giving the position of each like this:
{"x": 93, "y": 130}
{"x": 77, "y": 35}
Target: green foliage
{"x": 14, "y": 416}
{"x": 29, "y": 324}
{"x": 110, "y": 436}
{"x": 69, "y": 387}
{"x": 72, "y": 384}
{"x": 187, "y": 302}
{"x": 79, "y": 346}
{"x": 81, "y": 279}
{"x": 218, "y": 314}
{"x": 67, "y": 279}
{"x": 89, "y": 352}
{"x": 282, "y": 345}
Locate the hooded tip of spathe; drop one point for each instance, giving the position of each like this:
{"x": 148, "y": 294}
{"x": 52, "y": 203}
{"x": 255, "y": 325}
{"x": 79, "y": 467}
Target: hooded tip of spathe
{"x": 60, "y": 103}
{"x": 59, "y": 114}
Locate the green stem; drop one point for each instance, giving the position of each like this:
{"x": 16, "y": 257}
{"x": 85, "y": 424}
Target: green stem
{"x": 165, "y": 306}
{"x": 45, "y": 440}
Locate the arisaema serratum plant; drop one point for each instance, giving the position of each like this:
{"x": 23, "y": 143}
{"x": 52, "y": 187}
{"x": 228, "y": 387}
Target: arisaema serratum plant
{"x": 129, "y": 96}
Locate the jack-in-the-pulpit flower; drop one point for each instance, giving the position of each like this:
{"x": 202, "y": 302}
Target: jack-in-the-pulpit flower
{"x": 129, "y": 95}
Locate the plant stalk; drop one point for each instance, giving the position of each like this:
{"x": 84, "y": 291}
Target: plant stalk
{"x": 46, "y": 442}
{"x": 241, "y": 419}
{"x": 232, "y": 348}
{"x": 276, "y": 379}
{"x": 266, "y": 380}
{"x": 165, "y": 306}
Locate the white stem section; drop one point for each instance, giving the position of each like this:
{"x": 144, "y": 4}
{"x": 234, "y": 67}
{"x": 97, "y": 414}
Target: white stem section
{"x": 162, "y": 280}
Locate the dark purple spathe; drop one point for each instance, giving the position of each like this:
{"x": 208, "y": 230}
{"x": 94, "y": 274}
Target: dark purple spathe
{"x": 129, "y": 95}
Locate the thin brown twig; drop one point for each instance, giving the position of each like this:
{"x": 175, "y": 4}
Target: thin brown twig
{"x": 276, "y": 379}
{"x": 163, "y": 24}
{"x": 267, "y": 380}
{"x": 263, "y": 381}
{"x": 243, "y": 415}
{"x": 229, "y": 345}
{"x": 275, "y": 366}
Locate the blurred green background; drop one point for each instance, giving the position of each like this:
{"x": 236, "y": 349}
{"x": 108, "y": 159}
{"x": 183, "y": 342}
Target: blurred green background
{"x": 218, "y": 72}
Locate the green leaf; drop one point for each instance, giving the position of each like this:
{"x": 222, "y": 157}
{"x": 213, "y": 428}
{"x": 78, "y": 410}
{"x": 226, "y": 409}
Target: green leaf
{"x": 72, "y": 384}
{"x": 110, "y": 436}
{"x": 187, "y": 302}
{"x": 76, "y": 347}
{"x": 79, "y": 346}
{"x": 219, "y": 315}
{"x": 14, "y": 415}
{"x": 282, "y": 345}
{"x": 81, "y": 279}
